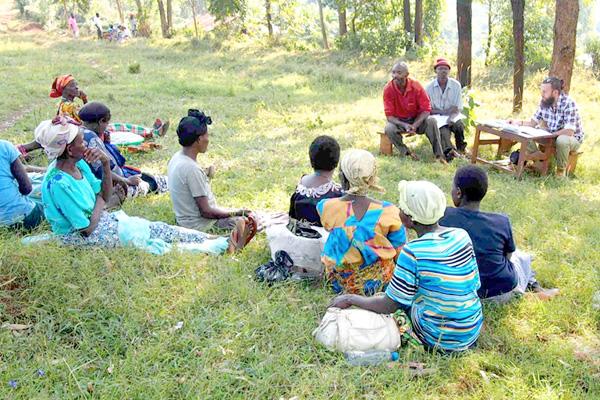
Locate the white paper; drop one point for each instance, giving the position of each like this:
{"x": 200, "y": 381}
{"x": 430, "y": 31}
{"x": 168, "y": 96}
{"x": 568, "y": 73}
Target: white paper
{"x": 524, "y": 130}
{"x": 442, "y": 120}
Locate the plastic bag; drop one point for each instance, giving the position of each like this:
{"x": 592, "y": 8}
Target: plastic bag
{"x": 275, "y": 271}
{"x": 135, "y": 232}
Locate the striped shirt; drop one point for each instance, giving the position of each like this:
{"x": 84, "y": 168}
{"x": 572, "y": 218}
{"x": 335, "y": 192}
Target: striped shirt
{"x": 436, "y": 277}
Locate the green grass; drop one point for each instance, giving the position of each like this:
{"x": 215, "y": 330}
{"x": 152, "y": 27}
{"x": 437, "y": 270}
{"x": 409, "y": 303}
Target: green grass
{"x": 102, "y": 322}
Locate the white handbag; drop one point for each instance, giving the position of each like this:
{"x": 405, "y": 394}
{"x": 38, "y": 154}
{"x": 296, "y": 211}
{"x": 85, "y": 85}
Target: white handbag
{"x": 304, "y": 252}
{"x": 355, "y": 329}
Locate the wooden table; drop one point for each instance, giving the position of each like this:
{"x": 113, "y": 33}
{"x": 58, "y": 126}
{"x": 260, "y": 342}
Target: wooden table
{"x": 508, "y": 138}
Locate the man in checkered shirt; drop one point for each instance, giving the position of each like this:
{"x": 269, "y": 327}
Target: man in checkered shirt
{"x": 558, "y": 113}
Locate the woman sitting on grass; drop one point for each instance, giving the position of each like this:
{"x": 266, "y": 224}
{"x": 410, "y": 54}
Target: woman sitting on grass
{"x": 324, "y": 153}
{"x": 74, "y": 199}
{"x": 435, "y": 281}
{"x": 95, "y": 118}
{"x": 365, "y": 234}
{"x": 66, "y": 88}
{"x": 16, "y": 209}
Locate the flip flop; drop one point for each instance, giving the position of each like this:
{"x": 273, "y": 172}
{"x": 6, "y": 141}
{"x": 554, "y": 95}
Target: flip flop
{"x": 253, "y": 228}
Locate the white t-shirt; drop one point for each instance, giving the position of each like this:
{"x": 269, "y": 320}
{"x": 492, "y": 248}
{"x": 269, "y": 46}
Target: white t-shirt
{"x": 187, "y": 180}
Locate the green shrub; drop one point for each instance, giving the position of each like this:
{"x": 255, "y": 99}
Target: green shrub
{"x": 592, "y": 47}
{"x": 134, "y": 68}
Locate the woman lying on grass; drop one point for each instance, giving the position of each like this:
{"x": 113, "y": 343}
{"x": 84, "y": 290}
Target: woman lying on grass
{"x": 65, "y": 87}
{"x": 365, "y": 234}
{"x": 74, "y": 198}
{"x": 95, "y": 117}
{"x": 435, "y": 281}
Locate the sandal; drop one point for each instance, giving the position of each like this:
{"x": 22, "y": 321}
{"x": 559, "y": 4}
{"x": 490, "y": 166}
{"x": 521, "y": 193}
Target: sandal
{"x": 252, "y": 225}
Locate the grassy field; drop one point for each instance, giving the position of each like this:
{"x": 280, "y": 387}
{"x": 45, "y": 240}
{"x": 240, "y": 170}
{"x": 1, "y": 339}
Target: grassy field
{"x": 103, "y": 323}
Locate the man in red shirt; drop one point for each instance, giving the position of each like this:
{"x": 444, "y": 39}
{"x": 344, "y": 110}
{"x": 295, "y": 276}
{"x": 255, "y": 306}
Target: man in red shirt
{"x": 407, "y": 109}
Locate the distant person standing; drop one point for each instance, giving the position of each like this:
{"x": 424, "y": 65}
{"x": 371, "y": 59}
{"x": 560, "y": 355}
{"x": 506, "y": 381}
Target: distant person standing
{"x": 73, "y": 26}
{"x": 98, "y": 24}
{"x": 133, "y": 25}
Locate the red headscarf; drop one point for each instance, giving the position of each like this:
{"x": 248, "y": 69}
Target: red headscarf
{"x": 59, "y": 84}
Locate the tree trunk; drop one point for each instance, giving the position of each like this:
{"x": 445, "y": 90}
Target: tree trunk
{"x": 170, "y": 17}
{"x": 518, "y": 11}
{"x": 64, "y": 3}
{"x": 488, "y": 43}
{"x": 407, "y": 19}
{"x": 193, "y": 5}
{"x": 463, "y": 56}
{"x": 164, "y": 26}
{"x": 565, "y": 38}
{"x": 342, "y": 19}
{"x": 120, "y": 10}
{"x": 419, "y": 22}
{"x": 323, "y": 29}
{"x": 268, "y": 16}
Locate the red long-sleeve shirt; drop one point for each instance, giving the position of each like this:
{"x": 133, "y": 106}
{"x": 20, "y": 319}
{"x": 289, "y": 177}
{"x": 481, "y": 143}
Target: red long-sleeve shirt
{"x": 413, "y": 102}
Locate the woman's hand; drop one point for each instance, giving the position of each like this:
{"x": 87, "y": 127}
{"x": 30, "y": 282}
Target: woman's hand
{"x": 134, "y": 180}
{"x": 93, "y": 155}
{"x": 343, "y": 301}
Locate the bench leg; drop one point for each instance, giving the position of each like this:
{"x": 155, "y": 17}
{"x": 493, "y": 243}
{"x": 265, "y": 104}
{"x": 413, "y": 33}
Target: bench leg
{"x": 385, "y": 145}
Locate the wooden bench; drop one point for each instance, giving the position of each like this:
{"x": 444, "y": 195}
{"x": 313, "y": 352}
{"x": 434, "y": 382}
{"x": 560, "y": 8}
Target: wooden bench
{"x": 572, "y": 163}
{"x": 386, "y": 147}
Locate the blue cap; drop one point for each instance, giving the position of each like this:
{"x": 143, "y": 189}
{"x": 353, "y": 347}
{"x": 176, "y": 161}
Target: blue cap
{"x": 395, "y": 356}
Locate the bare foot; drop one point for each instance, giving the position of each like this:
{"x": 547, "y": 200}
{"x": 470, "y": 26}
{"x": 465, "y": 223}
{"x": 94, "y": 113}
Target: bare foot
{"x": 239, "y": 236}
{"x": 441, "y": 160}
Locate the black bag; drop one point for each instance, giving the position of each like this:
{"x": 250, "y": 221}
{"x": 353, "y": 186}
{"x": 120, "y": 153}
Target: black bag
{"x": 303, "y": 229}
{"x": 275, "y": 271}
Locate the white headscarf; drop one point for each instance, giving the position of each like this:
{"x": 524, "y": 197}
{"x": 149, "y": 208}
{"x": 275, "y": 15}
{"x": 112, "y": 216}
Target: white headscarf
{"x": 359, "y": 168}
{"x": 423, "y": 201}
{"x": 54, "y": 136}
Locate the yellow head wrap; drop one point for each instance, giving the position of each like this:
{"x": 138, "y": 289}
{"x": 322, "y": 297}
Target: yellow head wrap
{"x": 359, "y": 168}
{"x": 423, "y": 201}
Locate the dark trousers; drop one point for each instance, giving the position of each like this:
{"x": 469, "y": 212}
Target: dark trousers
{"x": 99, "y": 32}
{"x": 458, "y": 128}
{"x": 428, "y": 127}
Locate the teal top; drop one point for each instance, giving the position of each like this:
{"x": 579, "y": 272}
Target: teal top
{"x": 69, "y": 202}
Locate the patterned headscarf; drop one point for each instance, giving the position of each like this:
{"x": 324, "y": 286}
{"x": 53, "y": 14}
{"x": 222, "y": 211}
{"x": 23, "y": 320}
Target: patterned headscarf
{"x": 59, "y": 85}
{"x": 54, "y": 135}
{"x": 358, "y": 166}
{"x": 422, "y": 201}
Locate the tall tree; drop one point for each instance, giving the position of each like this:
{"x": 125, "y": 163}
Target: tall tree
{"x": 193, "y": 6}
{"x": 419, "y": 22}
{"x": 323, "y": 28}
{"x": 565, "y": 31}
{"x": 464, "y": 13}
{"x": 518, "y": 11}
{"x": 407, "y": 19}
{"x": 268, "y": 17}
{"x": 164, "y": 24}
{"x": 120, "y": 10}
{"x": 488, "y": 42}
{"x": 343, "y": 25}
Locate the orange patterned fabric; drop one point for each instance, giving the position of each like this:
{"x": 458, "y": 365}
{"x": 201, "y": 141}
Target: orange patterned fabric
{"x": 59, "y": 84}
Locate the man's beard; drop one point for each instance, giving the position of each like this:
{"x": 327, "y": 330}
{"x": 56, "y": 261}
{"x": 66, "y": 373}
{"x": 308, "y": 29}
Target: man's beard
{"x": 549, "y": 102}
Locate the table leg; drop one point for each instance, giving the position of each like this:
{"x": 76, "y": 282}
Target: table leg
{"x": 475, "y": 149}
{"x": 521, "y": 162}
{"x": 549, "y": 151}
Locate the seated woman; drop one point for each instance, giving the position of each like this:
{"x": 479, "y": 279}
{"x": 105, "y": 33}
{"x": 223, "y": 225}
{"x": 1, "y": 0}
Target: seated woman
{"x": 16, "y": 209}
{"x": 66, "y": 88}
{"x": 74, "y": 198}
{"x": 505, "y": 272}
{"x": 324, "y": 153}
{"x": 365, "y": 235}
{"x": 435, "y": 281}
{"x": 95, "y": 117}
